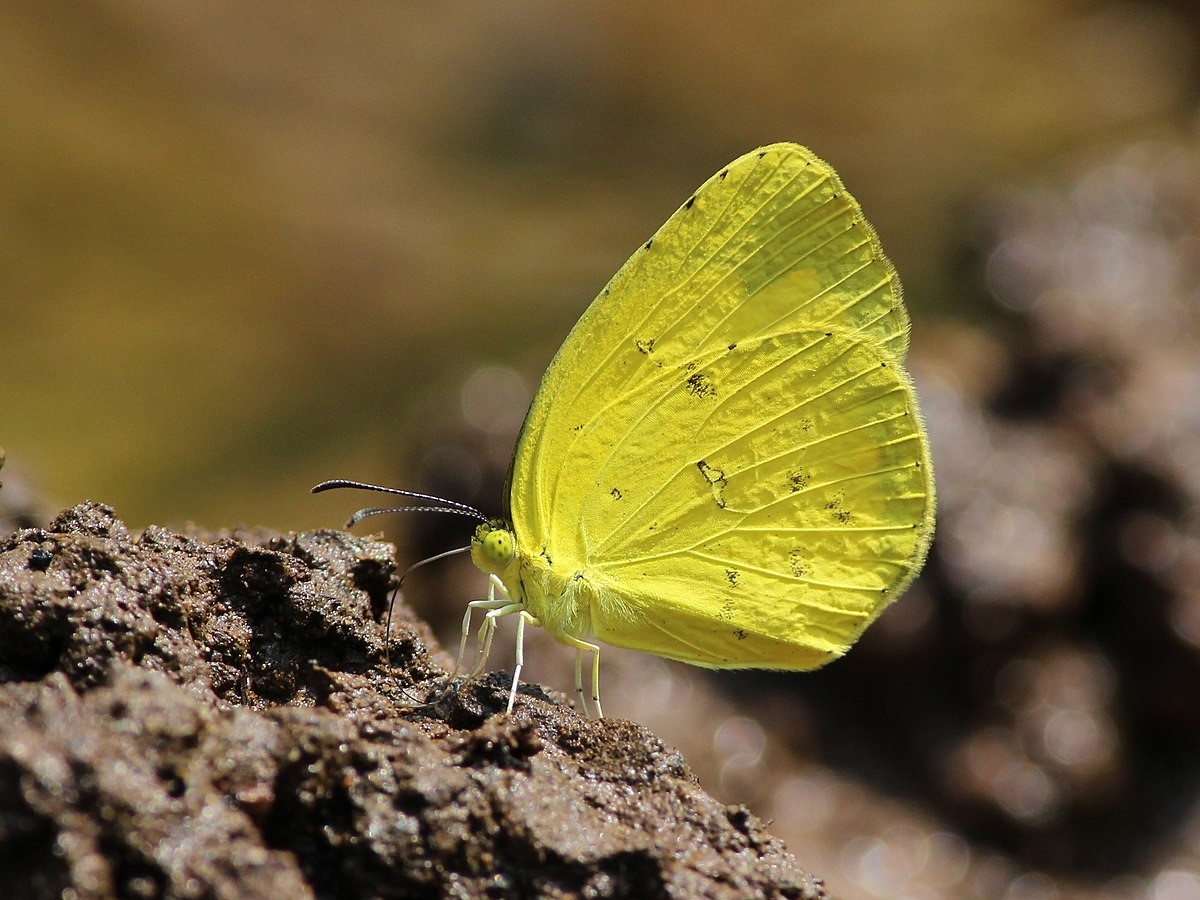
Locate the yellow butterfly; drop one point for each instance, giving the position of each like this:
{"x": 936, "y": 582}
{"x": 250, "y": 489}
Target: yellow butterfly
{"x": 724, "y": 464}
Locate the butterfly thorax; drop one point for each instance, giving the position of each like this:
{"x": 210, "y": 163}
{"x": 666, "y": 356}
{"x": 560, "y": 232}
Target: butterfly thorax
{"x": 560, "y": 596}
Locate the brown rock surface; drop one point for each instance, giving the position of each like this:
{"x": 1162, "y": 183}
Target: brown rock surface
{"x": 192, "y": 715}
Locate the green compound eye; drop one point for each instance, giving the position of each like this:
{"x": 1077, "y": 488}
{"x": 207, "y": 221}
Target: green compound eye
{"x": 496, "y": 543}
{"x": 499, "y": 546}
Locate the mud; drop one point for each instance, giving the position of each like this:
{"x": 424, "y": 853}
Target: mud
{"x": 199, "y": 715}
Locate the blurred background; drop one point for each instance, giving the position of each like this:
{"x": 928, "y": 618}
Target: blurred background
{"x": 247, "y": 247}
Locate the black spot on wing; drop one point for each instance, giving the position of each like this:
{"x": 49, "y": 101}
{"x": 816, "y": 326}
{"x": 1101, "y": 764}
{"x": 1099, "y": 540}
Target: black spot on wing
{"x": 797, "y": 562}
{"x": 701, "y": 385}
{"x": 838, "y": 510}
{"x": 798, "y": 480}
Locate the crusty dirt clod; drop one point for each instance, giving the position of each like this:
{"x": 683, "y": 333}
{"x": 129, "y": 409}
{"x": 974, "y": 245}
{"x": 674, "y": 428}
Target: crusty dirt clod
{"x": 195, "y": 715}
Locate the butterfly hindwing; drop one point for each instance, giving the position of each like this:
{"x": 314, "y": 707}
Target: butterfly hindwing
{"x": 782, "y": 519}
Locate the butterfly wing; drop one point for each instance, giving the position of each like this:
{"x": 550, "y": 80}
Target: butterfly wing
{"x": 726, "y": 446}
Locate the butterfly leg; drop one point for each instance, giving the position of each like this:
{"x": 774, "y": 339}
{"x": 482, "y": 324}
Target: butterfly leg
{"x": 491, "y": 602}
{"x": 487, "y": 630}
{"x": 494, "y": 585}
{"x": 579, "y": 680}
{"x": 497, "y": 610}
{"x": 582, "y": 647}
{"x": 521, "y": 620}
{"x": 466, "y": 631}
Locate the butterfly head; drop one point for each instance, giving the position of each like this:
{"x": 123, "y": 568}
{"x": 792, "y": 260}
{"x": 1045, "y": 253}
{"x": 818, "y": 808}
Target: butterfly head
{"x": 494, "y": 547}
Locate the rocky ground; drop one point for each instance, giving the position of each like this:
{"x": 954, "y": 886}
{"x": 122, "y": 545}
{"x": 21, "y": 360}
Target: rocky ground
{"x": 199, "y": 715}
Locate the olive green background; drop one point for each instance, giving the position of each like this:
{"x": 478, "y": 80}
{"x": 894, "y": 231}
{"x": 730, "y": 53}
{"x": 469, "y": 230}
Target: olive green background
{"x": 245, "y": 247}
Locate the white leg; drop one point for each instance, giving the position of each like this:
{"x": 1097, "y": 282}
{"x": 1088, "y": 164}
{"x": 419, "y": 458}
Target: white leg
{"x": 596, "y": 680}
{"x": 499, "y": 609}
{"x": 490, "y": 603}
{"x": 521, "y": 620}
{"x": 579, "y": 680}
{"x": 494, "y": 585}
{"x": 582, "y": 647}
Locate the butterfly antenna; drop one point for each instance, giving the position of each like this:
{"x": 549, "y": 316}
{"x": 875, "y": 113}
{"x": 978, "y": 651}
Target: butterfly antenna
{"x": 440, "y": 505}
{"x": 443, "y": 505}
